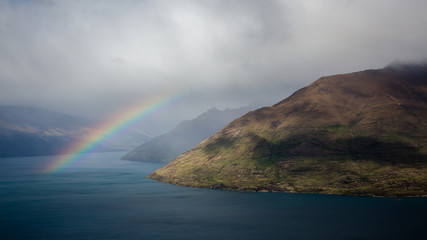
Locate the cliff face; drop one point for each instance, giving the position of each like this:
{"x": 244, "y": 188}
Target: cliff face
{"x": 185, "y": 136}
{"x": 361, "y": 133}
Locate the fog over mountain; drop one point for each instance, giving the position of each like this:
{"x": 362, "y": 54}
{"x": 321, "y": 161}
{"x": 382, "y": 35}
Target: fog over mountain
{"x": 28, "y": 131}
{"x": 94, "y": 58}
{"x": 185, "y": 136}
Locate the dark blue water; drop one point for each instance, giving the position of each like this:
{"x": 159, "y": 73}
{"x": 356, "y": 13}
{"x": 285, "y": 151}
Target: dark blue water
{"x": 103, "y": 197}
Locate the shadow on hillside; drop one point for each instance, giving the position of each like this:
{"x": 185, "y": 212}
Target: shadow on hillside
{"x": 322, "y": 146}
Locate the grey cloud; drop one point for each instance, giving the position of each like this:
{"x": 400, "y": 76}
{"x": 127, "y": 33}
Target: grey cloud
{"x": 92, "y": 58}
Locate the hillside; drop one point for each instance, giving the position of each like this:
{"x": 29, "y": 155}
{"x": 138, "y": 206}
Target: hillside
{"x": 28, "y": 131}
{"x": 363, "y": 133}
{"x": 185, "y": 136}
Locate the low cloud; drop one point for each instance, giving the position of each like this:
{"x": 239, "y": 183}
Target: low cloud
{"x": 92, "y": 58}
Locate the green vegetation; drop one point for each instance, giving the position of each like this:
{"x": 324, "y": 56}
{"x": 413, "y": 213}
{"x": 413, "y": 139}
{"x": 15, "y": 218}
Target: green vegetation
{"x": 358, "y": 134}
{"x": 357, "y": 166}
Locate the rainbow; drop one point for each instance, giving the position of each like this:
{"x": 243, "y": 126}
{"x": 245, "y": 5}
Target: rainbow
{"x": 111, "y": 128}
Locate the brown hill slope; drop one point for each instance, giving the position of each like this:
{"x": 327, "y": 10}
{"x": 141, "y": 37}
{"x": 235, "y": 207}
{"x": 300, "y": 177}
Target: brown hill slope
{"x": 361, "y": 133}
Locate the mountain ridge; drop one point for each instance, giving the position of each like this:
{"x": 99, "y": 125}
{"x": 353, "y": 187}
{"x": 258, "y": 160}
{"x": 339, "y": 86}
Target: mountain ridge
{"x": 184, "y": 136}
{"x": 362, "y": 133}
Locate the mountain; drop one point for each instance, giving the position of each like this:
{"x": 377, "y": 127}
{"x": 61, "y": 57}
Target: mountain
{"x": 362, "y": 133}
{"x": 29, "y": 131}
{"x": 185, "y": 136}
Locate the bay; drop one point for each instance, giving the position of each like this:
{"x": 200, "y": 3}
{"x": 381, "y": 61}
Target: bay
{"x": 103, "y": 197}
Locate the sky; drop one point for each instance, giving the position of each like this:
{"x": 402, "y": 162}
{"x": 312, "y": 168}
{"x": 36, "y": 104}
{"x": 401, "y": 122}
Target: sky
{"x": 94, "y": 58}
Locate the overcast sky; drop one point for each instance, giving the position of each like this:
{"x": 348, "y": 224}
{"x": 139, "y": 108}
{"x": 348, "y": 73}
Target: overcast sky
{"x": 92, "y": 58}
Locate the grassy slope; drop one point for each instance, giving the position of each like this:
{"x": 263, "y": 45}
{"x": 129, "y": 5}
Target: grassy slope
{"x": 323, "y": 139}
{"x": 256, "y": 165}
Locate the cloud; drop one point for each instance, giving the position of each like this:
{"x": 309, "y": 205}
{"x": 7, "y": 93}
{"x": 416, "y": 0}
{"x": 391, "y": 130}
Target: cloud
{"x": 92, "y": 58}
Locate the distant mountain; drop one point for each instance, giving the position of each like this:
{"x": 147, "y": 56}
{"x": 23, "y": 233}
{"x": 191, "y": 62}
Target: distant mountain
{"x": 28, "y": 131}
{"x": 185, "y": 136}
{"x": 363, "y": 133}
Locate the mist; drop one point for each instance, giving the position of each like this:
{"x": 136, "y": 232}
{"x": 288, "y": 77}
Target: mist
{"x": 94, "y": 58}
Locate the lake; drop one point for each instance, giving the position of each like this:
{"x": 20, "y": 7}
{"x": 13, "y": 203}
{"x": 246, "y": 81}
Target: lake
{"x": 103, "y": 197}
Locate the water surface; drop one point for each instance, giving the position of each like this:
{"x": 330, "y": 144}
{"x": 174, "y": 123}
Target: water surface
{"x": 103, "y": 197}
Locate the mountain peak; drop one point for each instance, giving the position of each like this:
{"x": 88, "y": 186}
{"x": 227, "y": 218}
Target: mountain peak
{"x": 213, "y": 109}
{"x": 360, "y": 133}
